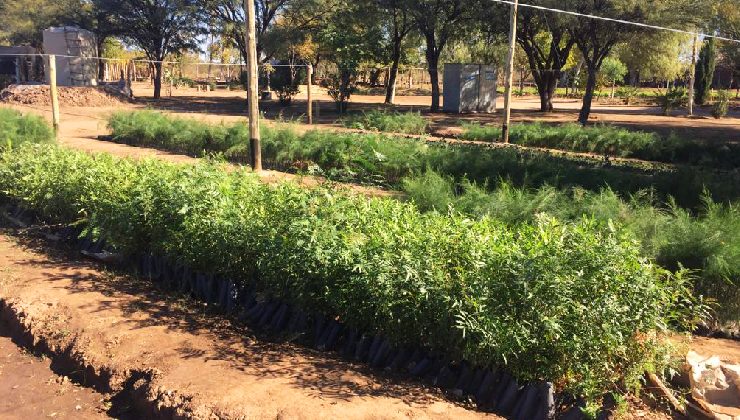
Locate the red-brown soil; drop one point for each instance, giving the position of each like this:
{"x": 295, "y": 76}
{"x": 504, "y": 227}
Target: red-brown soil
{"x": 178, "y": 359}
{"x": 68, "y": 96}
{"x": 31, "y": 390}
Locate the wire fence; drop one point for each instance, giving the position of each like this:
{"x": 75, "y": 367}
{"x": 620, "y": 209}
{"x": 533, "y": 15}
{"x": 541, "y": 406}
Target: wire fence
{"x": 32, "y": 68}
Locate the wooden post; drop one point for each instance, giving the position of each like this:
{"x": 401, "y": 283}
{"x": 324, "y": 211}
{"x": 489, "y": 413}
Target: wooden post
{"x": 692, "y": 77}
{"x": 509, "y": 73}
{"x": 309, "y": 104}
{"x": 18, "y": 69}
{"x": 252, "y": 93}
{"x": 54, "y": 95}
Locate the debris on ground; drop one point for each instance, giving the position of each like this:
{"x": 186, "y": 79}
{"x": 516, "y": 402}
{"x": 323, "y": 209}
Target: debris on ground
{"x": 715, "y": 385}
{"x": 85, "y": 96}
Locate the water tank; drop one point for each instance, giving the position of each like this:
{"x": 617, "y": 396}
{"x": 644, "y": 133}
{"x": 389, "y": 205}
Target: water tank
{"x": 469, "y": 88}
{"x": 80, "y": 69}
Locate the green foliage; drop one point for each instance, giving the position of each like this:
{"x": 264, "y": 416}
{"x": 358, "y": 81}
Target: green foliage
{"x": 628, "y": 93}
{"x": 25, "y": 20}
{"x": 150, "y": 128}
{"x": 708, "y": 242}
{"x": 284, "y": 81}
{"x": 612, "y": 70}
{"x": 16, "y": 129}
{"x": 655, "y": 54}
{"x": 389, "y": 121}
{"x": 610, "y": 140}
{"x": 569, "y": 302}
{"x": 672, "y": 98}
{"x": 705, "y": 71}
{"x": 721, "y": 105}
{"x": 384, "y": 160}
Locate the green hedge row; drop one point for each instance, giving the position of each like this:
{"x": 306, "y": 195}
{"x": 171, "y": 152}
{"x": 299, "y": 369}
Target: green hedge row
{"x": 569, "y": 302}
{"x": 613, "y": 141}
{"x": 387, "y": 160}
{"x": 388, "y": 121}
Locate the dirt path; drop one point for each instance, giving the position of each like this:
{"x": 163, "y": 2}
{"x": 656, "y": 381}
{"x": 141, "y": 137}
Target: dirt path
{"x": 175, "y": 358}
{"x": 31, "y": 390}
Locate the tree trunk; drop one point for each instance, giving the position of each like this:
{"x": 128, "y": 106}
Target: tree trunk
{"x": 521, "y": 82}
{"x": 614, "y": 85}
{"x": 434, "y": 80}
{"x": 588, "y": 97}
{"x": 390, "y": 90}
{"x": 157, "y": 80}
{"x": 548, "y": 82}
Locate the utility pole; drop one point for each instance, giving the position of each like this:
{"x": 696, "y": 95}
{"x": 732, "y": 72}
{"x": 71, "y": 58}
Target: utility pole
{"x": 54, "y": 95}
{"x": 252, "y": 94}
{"x": 692, "y": 79}
{"x": 509, "y": 72}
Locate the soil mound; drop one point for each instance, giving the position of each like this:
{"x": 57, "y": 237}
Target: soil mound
{"x": 68, "y": 95}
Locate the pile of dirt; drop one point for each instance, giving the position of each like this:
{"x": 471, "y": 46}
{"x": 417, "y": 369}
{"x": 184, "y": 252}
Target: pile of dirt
{"x": 68, "y": 95}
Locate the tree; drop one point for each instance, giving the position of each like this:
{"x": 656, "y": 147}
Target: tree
{"x": 158, "y": 27}
{"x": 438, "y": 21}
{"x": 297, "y": 15}
{"x": 612, "y": 70}
{"x": 705, "y": 71}
{"x": 25, "y": 20}
{"x": 546, "y": 41}
{"x": 596, "y": 38}
{"x": 351, "y": 35}
{"x": 231, "y": 15}
{"x": 399, "y": 27}
{"x": 728, "y": 17}
{"x": 654, "y": 55}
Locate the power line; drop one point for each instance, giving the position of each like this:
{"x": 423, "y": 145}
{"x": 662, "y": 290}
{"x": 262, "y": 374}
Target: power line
{"x": 626, "y": 22}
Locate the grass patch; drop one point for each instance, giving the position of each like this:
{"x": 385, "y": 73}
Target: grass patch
{"x": 571, "y": 302}
{"x": 613, "y": 141}
{"x": 16, "y": 129}
{"x": 388, "y": 121}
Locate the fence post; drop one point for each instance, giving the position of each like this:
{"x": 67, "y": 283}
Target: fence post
{"x": 309, "y": 82}
{"x": 54, "y": 95}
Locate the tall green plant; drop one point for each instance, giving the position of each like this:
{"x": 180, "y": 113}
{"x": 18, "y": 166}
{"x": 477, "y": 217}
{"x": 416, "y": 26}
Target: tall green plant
{"x": 16, "y": 129}
{"x": 705, "y": 71}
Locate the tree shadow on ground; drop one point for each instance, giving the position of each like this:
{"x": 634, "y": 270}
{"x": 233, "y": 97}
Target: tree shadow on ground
{"x": 257, "y": 353}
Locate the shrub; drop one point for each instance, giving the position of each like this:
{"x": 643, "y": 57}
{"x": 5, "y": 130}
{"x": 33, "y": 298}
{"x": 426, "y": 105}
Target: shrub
{"x": 568, "y": 302}
{"x": 628, "y": 93}
{"x": 671, "y": 98}
{"x": 16, "y": 129}
{"x": 708, "y": 242}
{"x": 722, "y": 105}
{"x": 285, "y": 81}
{"x": 340, "y": 87}
{"x": 382, "y": 120}
{"x": 384, "y": 160}
{"x": 613, "y": 141}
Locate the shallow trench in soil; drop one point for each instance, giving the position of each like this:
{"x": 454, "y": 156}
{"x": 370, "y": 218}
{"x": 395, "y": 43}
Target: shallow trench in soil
{"x": 150, "y": 354}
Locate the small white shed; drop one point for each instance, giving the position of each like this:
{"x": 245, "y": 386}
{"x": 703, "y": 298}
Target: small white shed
{"x": 469, "y": 88}
{"x": 79, "y": 70}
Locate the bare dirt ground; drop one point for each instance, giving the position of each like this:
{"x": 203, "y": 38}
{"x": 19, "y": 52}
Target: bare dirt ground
{"x": 85, "y": 122}
{"x": 173, "y": 357}
{"x": 228, "y": 104}
{"x": 31, "y": 390}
